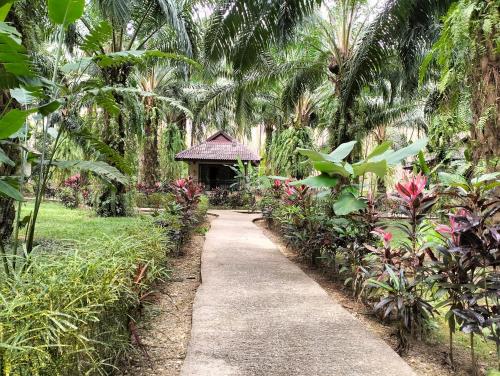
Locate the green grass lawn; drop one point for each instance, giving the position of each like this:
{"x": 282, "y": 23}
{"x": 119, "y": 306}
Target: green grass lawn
{"x": 56, "y": 222}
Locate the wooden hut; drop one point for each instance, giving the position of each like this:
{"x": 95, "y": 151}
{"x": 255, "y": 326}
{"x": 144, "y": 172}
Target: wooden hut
{"x": 209, "y": 161}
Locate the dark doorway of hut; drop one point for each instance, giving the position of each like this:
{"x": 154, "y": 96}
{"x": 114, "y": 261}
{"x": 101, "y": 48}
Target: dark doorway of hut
{"x": 217, "y": 176}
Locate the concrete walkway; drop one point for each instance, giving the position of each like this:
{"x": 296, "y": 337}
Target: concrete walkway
{"x": 256, "y": 313}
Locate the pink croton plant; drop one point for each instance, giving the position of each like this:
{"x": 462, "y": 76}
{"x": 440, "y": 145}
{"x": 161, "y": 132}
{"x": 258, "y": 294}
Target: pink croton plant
{"x": 453, "y": 230}
{"x": 180, "y": 183}
{"x": 387, "y": 254}
{"x": 411, "y": 187}
{"x": 385, "y": 235}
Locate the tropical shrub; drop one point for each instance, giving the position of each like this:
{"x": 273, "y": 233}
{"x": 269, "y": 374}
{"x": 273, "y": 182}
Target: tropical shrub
{"x": 70, "y": 193}
{"x": 402, "y": 268}
{"x": 78, "y": 298}
{"x": 218, "y": 196}
{"x": 68, "y": 197}
{"x": 466, "y": 273}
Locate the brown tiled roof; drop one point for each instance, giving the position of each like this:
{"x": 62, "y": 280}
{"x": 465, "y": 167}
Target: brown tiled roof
{"x": 218, "y": 147}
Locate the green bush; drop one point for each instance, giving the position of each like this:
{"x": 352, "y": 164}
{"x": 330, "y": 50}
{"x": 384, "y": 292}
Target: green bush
{"x": 155, "y": 200}
{"x": 68, "y": 197}
{"x": 69, "y": 311}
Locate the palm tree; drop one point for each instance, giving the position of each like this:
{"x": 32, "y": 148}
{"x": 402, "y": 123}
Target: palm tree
{"x": 353, "y": 51}
{"x": 241, "y": 30}
{"x": 463, "y": 64}
{"x": 284, "y": 158}
{"x": 123, "y": 34}
{"x": 165, "y": 81}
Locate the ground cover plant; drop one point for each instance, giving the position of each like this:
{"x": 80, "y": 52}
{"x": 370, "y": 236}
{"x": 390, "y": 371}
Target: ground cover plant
{"x": 71, "y": 306}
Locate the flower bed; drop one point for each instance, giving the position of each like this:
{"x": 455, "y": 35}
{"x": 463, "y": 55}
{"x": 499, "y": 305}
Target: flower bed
{"x": 410, "y": 268}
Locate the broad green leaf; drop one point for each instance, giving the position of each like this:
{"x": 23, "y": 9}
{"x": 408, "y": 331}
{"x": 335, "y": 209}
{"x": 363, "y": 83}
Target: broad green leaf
{"x": 98, "y": 167}
{"x": 453, "y": 180}
{"x": 397, "y": 156}
{"x": 13, "y": 55}
{"x": 49, "y": 108}
{"x": 331, "y": 168}
{"x": 342, "y": 151}
{"x": 77, "y": 66}
{"x": 486, "y": 177}
{"x": 97, "y": 37}
{"x": 348, "y": 203}
{"x": 8, "y": 190}
{"x": 4, "y": 158}
{"x": 378, "y": 168}
{"x": 382, "y": 148}
{"x": 23, "y": 96}
{"x": 348, "y": 168}
{"x": 4, "y": 10}
{"x": 65, "y": 12}
{"x": 320, "y": 181}
{"x": 313, "y": 155}
{"x": 11, "y": 122}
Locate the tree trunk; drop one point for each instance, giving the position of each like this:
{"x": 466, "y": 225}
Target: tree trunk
{"x": 7, "y": 205}
{"x": 112, "y": 201}
{"x": 150, "y": 164}
{"x": 486, "y": 106}
{"x": 268, "y": 130}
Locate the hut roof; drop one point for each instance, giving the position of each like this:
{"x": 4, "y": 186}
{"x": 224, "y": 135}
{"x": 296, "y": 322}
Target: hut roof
{"x": 218, "y": 147}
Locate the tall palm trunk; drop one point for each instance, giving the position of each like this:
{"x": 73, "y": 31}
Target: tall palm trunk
{"x": 150, "y": 163}
{"x": 7, "y": 205}
{"x": 112, "y": 201}
{"x": 486, "y": 106}
{"x": 268, "y": 130}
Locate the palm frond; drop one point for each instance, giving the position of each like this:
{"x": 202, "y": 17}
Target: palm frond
{"x": 240, "y": 30}
{"x": 399, "y": 29}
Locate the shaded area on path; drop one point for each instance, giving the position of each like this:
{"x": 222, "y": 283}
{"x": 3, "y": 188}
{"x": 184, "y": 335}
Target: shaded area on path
{"x": 256, "y": 313}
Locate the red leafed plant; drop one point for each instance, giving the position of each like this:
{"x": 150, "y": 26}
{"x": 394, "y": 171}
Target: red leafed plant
{"x": 73, "y": 181}
{"x": 296, "y": 194}
{"x": 402, "y": 267}
{"x": 187, "y": 192}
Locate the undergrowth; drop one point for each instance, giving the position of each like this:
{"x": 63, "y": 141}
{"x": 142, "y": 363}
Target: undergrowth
{"x": 71, "y": 309}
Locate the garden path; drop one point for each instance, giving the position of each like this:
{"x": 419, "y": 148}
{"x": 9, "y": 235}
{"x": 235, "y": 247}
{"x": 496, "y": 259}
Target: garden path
{"x": 256, "y": 313}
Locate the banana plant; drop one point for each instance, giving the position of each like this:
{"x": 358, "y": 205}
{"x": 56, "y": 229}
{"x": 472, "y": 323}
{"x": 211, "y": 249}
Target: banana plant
{"x": 19, "y": 79}
{"x": 335, "y": 172}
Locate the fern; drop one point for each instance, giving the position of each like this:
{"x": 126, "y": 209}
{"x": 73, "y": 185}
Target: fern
{"x": 93, "y": 42}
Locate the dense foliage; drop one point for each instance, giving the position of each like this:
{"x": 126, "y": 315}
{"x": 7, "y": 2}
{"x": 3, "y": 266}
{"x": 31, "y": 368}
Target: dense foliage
{"x": 412, "y": 272}
{"x": 71, "y": 307}
{"x": 97, "y": 97}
